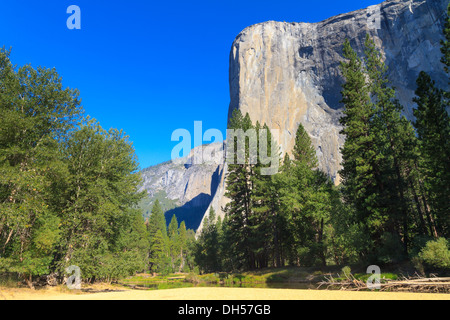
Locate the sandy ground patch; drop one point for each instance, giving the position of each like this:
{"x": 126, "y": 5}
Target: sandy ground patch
{"x": 201, "y": 293}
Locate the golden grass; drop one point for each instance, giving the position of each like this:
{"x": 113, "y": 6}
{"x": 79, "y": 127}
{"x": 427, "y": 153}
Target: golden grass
{"x": 203, "y": 293}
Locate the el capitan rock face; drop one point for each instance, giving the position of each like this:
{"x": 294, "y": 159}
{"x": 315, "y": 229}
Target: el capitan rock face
{"x": 284, "y": 74}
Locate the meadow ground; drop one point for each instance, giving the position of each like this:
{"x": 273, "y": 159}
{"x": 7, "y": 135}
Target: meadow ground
{"x": 204, "y": 293}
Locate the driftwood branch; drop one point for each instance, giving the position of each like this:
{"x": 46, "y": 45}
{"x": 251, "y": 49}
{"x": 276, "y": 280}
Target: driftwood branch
{"x": 416, "y": 284}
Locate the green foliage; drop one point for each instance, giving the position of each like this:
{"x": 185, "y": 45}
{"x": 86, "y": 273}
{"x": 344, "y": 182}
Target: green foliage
{"x": 170, "y": 248}
{"x": 98, "y": 192}
{"x": 391, "y": 249}
{"x": 36, "y": 114}
{"x": 395, "y": 138}
{"x": 359, "y": 173}
{"x": 436, "y": 254}
{"x": 306, "y": 198}
{"x": 159, "y": 261}
{"x": 394, "y": 190}
{"x": 68, "y": 186}
{"x": 68, "y": 193}
{"x": 346, "y": 271}
{"x": 304, "y": 151}
{"x": 276, "y": 219}
{"x": 382, "y": 179}
{"x": 238, "y": 211}
{"x": 433, "y": 129}
{"x": 207, "y": 250}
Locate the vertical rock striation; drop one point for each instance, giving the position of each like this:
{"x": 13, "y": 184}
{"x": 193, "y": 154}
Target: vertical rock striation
{"x": 284, "y": 74}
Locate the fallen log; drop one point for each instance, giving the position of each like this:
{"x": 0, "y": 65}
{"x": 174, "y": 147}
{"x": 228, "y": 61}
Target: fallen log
{"x": 434, "y": 284}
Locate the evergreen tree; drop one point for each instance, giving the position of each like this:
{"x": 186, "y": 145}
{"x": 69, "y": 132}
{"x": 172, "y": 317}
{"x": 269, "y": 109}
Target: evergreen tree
{"x": 158, "y": 258}
{"x": 265, "y": 202}
{"x": 394, "y": 135}
{"x": 361, "y": 173}
{"x": 157, "y": 220}
{"x": 156, "y": 223}
{"x": 174, "y": 244}
{"x": 239, "y": 190}
{"x": 208, "y": 246}
{"x": 129, "y": 252}
{"x": 433, "y": 129}
{"x": 182, "y": 245}
{"x": 228, "y": 252}
{"x": 304, "y": 152}
{"x": 189, "y": 253}
{"x": 305, "y": 197}
{"x": 380, "y": 157}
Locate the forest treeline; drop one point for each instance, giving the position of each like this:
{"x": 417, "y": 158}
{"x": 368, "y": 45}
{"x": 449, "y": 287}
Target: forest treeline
{"x": 68, "y": 187}
{"x": 69, "y": 190}
{"x": 393, "y": 201}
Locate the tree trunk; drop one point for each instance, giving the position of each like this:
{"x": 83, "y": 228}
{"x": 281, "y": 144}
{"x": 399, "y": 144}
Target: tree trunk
{"x": 419, "y": 210}
{"x": 29, "y": 281}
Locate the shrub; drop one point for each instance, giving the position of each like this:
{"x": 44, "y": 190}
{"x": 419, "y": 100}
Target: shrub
{"x": 346, "y": 271}
{"x": 436, "y": 254}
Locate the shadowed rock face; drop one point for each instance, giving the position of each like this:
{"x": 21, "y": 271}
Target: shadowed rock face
{"x": 284, "y": 74}
{"x": 184, "y": 188}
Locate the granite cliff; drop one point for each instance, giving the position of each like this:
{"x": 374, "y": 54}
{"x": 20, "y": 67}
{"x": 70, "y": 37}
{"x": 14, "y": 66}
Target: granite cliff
{"x": 284, "y": 74}
{"x": 182, "y": 187}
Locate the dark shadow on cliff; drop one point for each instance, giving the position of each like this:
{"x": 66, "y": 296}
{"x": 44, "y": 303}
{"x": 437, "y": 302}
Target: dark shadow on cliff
{"x": 215, "y": 180}
{"x": 191, "y": 212}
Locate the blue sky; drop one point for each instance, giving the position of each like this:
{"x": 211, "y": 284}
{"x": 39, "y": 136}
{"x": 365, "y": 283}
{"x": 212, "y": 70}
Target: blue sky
{"x": 148, "y": 67}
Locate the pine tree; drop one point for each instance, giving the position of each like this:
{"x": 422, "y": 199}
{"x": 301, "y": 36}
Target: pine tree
{"x": 129, "y": 251}
{"x": 228, "y": 251}
{"x": 305, "y": 199}
{"x": 304, "y": 152}
{"x": 158, "y": 259}
{"x": 208, "y": 246}
{"x": 360, "y": 173}
{"x": 380, "y": 157}
{"x": 433, "y": 129}
{"x": 239, "y": 190}
{"x": 394, "y": 135}
{"x": 182, "y": 245}
{"x": 264, "y": 222}
{"x": 156, "y": 223}
{"x": 157, "y": 220}
{"x": 173, "y": 242}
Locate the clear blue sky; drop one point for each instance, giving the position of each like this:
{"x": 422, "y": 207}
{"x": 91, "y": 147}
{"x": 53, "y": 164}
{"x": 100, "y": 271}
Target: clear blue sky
{"x": 144, "y": 66}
